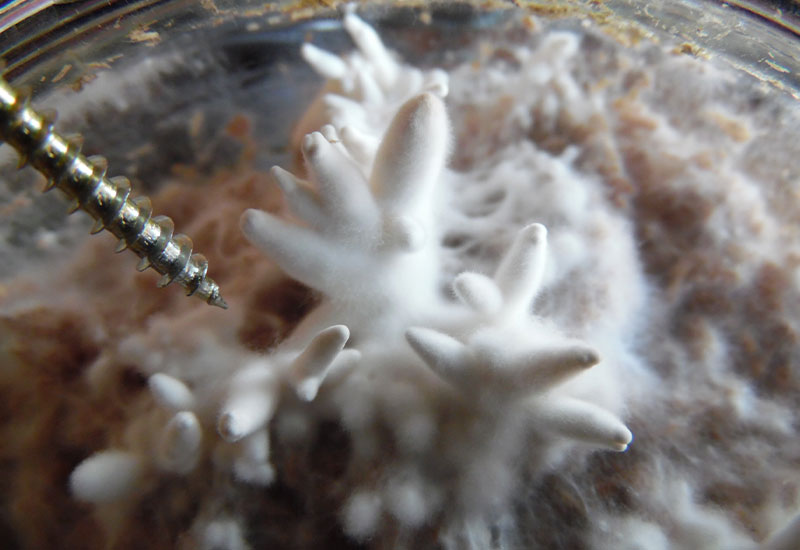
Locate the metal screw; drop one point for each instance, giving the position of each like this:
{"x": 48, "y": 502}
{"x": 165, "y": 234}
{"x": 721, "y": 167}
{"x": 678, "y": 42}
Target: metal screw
{"x": 107, "y": 200}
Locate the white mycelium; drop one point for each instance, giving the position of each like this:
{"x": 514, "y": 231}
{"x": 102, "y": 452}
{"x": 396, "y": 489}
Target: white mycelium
{"x": 448, "y": 387}
{"x": 363, "y": 89}
{"x": 467, "y": 352}
{"x": 367, "y": 234}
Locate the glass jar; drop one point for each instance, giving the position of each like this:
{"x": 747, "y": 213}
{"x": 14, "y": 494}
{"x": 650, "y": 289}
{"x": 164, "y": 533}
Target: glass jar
{"x": 656, "y": 142}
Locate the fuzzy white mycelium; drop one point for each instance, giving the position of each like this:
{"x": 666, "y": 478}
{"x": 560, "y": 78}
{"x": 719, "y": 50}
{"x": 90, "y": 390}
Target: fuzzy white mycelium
{"x": 447, "y": 394}
{"x": 457, "y": 366}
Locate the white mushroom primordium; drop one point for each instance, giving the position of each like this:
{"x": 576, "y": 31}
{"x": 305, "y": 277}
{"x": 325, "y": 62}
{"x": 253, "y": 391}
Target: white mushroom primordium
{"x": 370, "y": 45}
{"x": 519, "y": 275}
{"x": 489, "y": 368}
{"x": 364, "y": 234}
{"x": 362, "y": 514}
{"x": 107, "y": 476}
{"x": 309, "y": 369}
{"x": 365, "y": 87}
{"x": 362, "y": 227}
{"x": 346, "y": 202}
{"x": 516, "y": 281}
{"x": 347, "y": 218}
{"x": 324, "y": 63}
{"x": 478, "y": 292}
{"x": 574, "y": 419}
{"x": 253, "y": 397}
{"x": 341, "y": 367}
{"x": 362, "y": 147}
{"x": 180, "y": 443}
{"x": 222, "y": 532}
{"x": 411, "y": 157}
{"x": 251, "y": 402}
{"x": 171, "y": 393}
{"x": 252, "y": 464}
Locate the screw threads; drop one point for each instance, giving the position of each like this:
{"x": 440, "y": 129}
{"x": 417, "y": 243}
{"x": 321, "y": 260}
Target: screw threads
{"x": 107, "y": 200}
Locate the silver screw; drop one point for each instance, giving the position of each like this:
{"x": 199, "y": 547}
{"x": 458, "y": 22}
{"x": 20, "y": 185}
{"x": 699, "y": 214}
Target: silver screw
{"x": 107, "y": 200}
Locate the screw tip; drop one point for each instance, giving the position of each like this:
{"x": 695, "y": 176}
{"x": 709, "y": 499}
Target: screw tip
{"x": 218, "y": 301}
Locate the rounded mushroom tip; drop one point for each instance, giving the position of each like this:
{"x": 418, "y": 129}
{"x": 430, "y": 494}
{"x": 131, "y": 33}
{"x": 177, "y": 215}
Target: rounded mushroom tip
{"x": 276, "y": 172}
{"x": 106, "y": 477}
{"x": 340, "y": 331}
{"x": 438, "y": 83}
{"x": 622, "y": 440}
{"x": 229, "y": 427}
{"x": 535, "y": 232}
{"x": 427, "y": 105}
{"x": 336, "y": 335}
{"x": 430, "y": 100}
{"x": 249, "y": 220}
{"x": 158, "y": 380}
{"x": 417, "y": 338}
{"x": 584, "y": 356}
{"x": 330, "y": 133}
{"x": 590, "y": 357}
{"x": 184, "y": 420}
{"x": 307, "y": 48}
{"x": 311, "y": 143}
{"x": 414, "y": 334}
{"x": 308, "y": 389}
{"x": 352, "y": 22}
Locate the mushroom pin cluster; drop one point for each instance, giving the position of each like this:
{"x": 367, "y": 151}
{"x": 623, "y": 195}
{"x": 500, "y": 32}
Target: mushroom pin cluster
{"x": 448, "y": 387}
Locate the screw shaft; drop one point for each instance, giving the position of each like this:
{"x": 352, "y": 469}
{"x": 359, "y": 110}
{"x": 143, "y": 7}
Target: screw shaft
{"x": 107, "y": 200}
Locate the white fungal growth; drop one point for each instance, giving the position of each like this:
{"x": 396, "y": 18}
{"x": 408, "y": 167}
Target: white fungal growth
{"x": 222, "y": 533}
{"x": 252, "y": 464}
{"x": 179, "y": 446}
{"x": 309, "y": 369}
{"x": 362, "y": 515}
{"x": 442, "y": 393}
{"x": 360, "y": 230}
{"x": 582, "y": 421}
{"x": 171, "y": 393}
{"x": 363, "y": 89}
{"x": 365, "y": 232}
{"x": 107, "y": 476}
{"x": 252, "y": 399}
